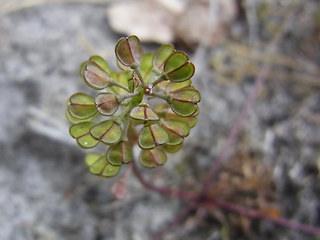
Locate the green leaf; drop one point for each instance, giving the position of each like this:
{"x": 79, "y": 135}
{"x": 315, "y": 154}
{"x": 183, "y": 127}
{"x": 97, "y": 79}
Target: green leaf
{"x": 143, "y": 115}
{"x": 178, "y": 127}
{"x": 174, "y": 139}
{"x": 176, "y": 130}
{"x": 181, "y": 74}
{"x": 191, "y": 120}
{"x": 192, "y": 96}
{"x": 107, "y": 103}
{"x": 175, "y": 61}
{"x": 184, "y": 109}
{"x": 184, "y": 103}
{"x": 161, "y": 86}
{"x": 99, "y": 165}
{"x": 172, "y": 148}
{"x": 119, "y": 154}
{"x": 81, "y": 106}
{"x": 152, "y": 136}
{"x": 173, "y": 87}
{"x": 161, "y": 109}
{"x": 101, "y": 63}
{"x": 120, "y": 77}
{"x": 128, "y": 51}
{"x": 80, "y": 132}
{"x": 108, "y": 132}
{"x": 146, "y": 67}
{"x": 152, "y": 157}
{"x": 161, "y": 56}
{"x": 96, "y": 73}
{"x": 178, "y": 68}
{"x": 74, "y": 120}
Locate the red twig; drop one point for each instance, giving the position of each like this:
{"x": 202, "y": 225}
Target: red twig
{"x": 204, "y": 200}
{"x": 256, "y": 214}
{"x": 163, "y": 190}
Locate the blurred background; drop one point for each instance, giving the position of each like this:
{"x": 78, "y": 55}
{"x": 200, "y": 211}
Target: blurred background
{"x": 46, "y": 191}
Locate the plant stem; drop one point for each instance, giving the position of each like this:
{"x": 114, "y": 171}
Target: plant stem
{"x": 162, "y": 190}
{"x": 202, "y": 199}
{"x": 256, "y": 214}
{"x": 125, "y": 127}
{"x": 138, "y": 72}
{"x": 128, "y": 95}
{"x": 158, "y": 80}
{"x": 163, "y": 95}
{"x": 117, "y": 84}
{"x": 120, "y": 118}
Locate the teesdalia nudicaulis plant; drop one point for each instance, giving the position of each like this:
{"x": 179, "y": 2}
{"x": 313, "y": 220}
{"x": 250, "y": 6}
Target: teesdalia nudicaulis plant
{"x": 120, "y": 115}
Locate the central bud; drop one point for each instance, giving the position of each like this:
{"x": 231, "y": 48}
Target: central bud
{"x": 148, "y": 89}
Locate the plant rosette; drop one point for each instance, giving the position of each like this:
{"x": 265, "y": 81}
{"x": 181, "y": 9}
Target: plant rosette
{"x": 113, "y": 115}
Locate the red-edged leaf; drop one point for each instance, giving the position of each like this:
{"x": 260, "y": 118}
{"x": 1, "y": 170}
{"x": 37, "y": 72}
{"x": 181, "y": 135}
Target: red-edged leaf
{"x": 128, "y": 51}
{"x": 81, "y": 106}
{"x": 143, "y": 115}
{"x": 108, "y": 132}
{"x": 80, "y": 132}
{"x": 161, "y": 56}
{"x": 152, "y": 157}
{"x": 152, "y": 136}
{"x": 99, "y": 165}
{"x": 120, "y": 153}
{"x": 96, "y": 73}
{"x": 107, "y": 103}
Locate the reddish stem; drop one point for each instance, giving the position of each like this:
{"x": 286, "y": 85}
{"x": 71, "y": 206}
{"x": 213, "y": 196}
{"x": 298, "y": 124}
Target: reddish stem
{"x": 207, "y": 201}
{"x": 171, "y": 192}
{"x": 256, "y": 214}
